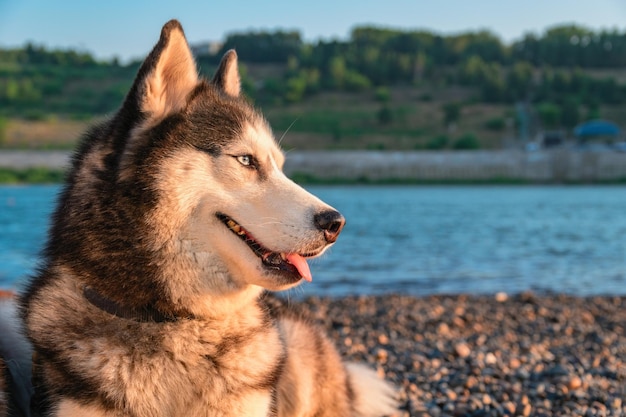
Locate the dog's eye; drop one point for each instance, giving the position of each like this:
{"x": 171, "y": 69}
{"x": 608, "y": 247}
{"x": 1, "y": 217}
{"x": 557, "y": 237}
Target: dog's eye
{"x": 245, "y": 160}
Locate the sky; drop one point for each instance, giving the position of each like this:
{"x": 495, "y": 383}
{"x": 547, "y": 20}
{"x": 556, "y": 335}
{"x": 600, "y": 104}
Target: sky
{"x": 128, "y": 29}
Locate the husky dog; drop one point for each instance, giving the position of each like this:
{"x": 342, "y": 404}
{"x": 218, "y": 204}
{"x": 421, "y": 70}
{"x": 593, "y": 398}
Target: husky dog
{"x": 174, "y": 221}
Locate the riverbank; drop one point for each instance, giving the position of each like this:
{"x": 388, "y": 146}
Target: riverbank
{"x": 499, "y": 355}
{"x": 409, "y": 167}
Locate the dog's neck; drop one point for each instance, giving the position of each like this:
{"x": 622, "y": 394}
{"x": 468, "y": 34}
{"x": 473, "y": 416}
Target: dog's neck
{"x": 207, "y": 307}
{"x": 145, "y": 314}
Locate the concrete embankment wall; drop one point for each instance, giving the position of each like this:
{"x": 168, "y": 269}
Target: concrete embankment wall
{"x": 541, "y": 166}
{"x": 34, "y": 159}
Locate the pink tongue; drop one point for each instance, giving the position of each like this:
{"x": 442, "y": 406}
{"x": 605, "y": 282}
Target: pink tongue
{"x": 300, "y": 263}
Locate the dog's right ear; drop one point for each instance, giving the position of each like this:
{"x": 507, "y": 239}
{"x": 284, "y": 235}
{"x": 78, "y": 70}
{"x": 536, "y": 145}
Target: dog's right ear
{"x": 226, "y": 77}
{"x": 167, "y": 76}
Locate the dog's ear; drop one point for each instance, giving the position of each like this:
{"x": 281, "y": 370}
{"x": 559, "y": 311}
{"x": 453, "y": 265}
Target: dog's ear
{"x": 167, "y": 75}
{"x": 227, "y": 75}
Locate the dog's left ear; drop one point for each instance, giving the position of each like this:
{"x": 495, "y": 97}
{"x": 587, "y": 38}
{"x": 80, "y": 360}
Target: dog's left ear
{"x": 227, "y": 75}
{"x": 167, "y": 75}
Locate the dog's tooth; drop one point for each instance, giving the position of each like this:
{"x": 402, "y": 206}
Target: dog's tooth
{"x": 274, "y": 258}
{"x": 231, "y": 223}
{"x": 240, "y": 231}
{"x": 283, "y": 256}
{"x": 236, "y": 228}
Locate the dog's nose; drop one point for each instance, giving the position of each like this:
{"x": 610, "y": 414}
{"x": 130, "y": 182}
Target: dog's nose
{"x": 331, "y": 222}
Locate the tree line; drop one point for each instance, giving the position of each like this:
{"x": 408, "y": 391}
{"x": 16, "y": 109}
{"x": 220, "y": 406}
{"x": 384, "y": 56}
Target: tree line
{"x": 555, "y": 72}
{"x": 555, "y": 68}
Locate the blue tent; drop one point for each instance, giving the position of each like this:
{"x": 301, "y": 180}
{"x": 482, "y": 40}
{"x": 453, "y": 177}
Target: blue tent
{"x": 597, "y": 128}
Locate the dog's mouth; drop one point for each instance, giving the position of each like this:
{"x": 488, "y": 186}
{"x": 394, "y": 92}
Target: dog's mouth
{"x": 291, "y": 263}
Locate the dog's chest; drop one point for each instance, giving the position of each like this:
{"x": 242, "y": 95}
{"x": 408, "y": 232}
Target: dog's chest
{"x": 205, "y": 371}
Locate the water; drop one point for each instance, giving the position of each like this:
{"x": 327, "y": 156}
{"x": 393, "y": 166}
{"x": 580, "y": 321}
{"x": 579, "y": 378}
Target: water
{"x": 421, "y": 240}
{"x": 24, "y": 219}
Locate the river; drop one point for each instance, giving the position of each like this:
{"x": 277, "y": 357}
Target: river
{"x": 420, "y": 239}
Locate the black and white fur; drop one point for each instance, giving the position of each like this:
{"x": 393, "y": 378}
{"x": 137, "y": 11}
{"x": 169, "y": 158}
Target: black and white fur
{"x": 174, "y": 220}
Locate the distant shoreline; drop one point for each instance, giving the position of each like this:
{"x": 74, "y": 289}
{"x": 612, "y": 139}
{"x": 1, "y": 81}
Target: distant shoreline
{"x": 388, "y": 167}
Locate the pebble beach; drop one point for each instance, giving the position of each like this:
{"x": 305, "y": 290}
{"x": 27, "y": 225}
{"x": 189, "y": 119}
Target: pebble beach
{"x": 487, "y": 355}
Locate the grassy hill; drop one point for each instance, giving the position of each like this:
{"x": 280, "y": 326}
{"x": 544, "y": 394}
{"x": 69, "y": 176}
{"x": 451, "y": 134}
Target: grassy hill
{"x": 329, "y": 121}
{"x": 380, "y": 89}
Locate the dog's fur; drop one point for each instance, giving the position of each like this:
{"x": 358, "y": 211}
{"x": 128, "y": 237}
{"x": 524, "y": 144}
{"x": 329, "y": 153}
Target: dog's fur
{"x": 150, "y": 300}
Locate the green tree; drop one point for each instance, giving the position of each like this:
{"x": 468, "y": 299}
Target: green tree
{"x": 519, "y": 80}
{"x": 549, "y": 114}
{"x": 295, "y": 88}
{"x": 353, "y": 81}
{"x": 264, "y": 46}
{"x": 337, "y": 70}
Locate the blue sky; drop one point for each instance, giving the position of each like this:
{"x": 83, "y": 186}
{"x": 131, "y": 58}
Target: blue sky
{"x": 128, "y": 29}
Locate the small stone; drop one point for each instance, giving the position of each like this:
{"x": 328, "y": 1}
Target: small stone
{"x": 458, "y": 322}
{"x": 501, "y": 297}
{"x": 448, "y": 408}
{"x": 587, "y": 317}
{"x": 490, "y": 359}
{"x": 383, "y": 339}
{"x": 525, "y": 410}
{"x": 443, "y": 329}
{"x": 509, "y": 407}
{"x": 616, "y": 403}
{"x": 462, "y": 350}
{"x": 451, "y": 395}
{"x": 434, "y": 411}
{"x": 598, "y": 405}
{"x": 574, "y": 383}
{"x": 382, "y": 355}
{"x": 471, "y": 382}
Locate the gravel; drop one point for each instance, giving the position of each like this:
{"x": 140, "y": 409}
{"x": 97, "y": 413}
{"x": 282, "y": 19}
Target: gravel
{"x": 488, "y": 355}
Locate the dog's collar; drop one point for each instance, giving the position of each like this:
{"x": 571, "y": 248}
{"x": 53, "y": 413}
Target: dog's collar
{"x": 146, "y": 314}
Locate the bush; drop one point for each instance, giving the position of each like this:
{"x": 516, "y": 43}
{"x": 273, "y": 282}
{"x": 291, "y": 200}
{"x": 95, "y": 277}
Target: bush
{"x": 382, "y": 95}
{"x": 467, "y": 142}
{"x": 549, "y": 114}
{"x": 356, "y": 82}
{"x": 496, "y": 124}
{"x": 438, "y": 142}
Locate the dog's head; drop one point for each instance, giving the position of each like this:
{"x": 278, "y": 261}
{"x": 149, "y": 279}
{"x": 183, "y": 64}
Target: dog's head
{"x": 205, "y": 169}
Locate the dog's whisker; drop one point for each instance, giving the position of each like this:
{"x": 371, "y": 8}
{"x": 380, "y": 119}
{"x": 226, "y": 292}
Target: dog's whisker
{"x": 287, "y": 130}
